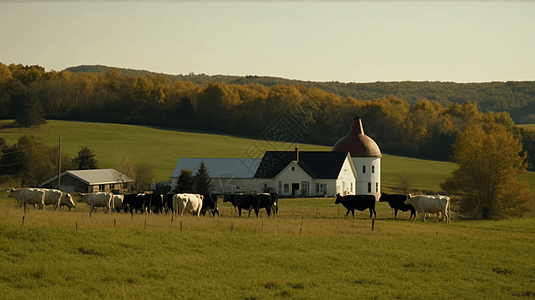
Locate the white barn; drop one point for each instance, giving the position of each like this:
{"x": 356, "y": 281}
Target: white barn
{"x": 288, "y": 173}
{"x": 366, "y": 157}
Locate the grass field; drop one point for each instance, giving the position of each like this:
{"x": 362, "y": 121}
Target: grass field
{"x": 163, "y": 148}
{"x": 311, "y": 251}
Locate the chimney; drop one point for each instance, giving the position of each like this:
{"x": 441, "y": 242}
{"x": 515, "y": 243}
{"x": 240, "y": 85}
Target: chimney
{"x": 297, "y": 153}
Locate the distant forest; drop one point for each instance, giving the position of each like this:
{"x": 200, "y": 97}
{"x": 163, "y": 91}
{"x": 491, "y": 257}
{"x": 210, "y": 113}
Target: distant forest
{"x": 416, "y": 119}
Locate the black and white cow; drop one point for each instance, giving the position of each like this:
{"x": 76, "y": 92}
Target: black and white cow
{"x": 358, "y": 202}
{"x": 397, "y": 202}
{"x": 243, "y": 201}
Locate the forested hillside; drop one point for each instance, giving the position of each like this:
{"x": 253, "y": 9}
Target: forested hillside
{"x": 510, "y": 96}
{"x": 286, "y": 113}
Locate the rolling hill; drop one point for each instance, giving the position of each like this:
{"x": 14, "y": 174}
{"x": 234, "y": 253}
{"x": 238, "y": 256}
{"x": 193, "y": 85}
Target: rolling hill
{"x": 162, "y": 148}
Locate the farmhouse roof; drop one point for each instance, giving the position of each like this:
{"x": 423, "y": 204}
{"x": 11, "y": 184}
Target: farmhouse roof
{"x": 94, "y": 176}
{"x": 317, "y": 164}
{"x": 357, "y": 143}
{"x": 220, "y": 167}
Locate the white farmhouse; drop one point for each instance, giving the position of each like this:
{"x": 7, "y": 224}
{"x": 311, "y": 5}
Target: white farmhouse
{"x": 307, "y": 173}
{"x": 366, "y": 157}
{"x": 288, "y": 173}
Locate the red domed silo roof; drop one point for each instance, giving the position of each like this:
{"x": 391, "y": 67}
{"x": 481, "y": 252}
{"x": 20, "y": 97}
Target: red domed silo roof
{"x": 357, "y": 143}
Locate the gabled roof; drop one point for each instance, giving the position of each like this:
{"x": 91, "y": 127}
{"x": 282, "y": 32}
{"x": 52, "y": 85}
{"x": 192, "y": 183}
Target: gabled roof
{"x": 219, "y": 167}
{"x": 94, "y": 176}
{"x": 318, "y": 164}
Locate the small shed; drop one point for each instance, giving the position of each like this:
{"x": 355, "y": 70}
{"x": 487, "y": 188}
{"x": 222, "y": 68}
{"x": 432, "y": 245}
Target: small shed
{"x": 89, "y": 181}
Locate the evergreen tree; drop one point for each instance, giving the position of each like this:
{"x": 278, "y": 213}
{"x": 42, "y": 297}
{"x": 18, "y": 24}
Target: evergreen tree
{"x": 203, "y": 182}
{"x": 86, "y": 159}
{"x": 185, "y": 182}
{"x": 486, "y": 180}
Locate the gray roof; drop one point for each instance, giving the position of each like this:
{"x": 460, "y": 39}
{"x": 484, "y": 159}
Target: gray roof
{"x": 220, "y": 167}
{"x": 94, "y": 176}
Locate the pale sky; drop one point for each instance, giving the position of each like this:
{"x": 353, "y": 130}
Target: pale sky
{"x": 346, "y": 41}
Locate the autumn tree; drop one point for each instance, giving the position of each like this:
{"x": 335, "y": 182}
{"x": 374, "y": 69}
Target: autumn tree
{"x": 486, "y": 181}
{"x": 85, "y": 159}
{"x": 203, "y": 182}
{"x": 185, "y": 182}
{"x": 125, "y": 167}
{"x": 143, "y": 176}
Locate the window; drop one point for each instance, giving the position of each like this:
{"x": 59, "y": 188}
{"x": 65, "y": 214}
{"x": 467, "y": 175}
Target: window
{"x": 293, "y": 168}
{"x": 286, "y": 188}
{"x": 112, "y": 186}
{"x": 363, "y": 169}
{"x": 377, "y": 187}
{"x": 351, "y": 188}
{"x": 319, "y": 188}
{"x": 369, "y": 187}
{"x": 373, "y": 169}
{"x": 101, "y": 187}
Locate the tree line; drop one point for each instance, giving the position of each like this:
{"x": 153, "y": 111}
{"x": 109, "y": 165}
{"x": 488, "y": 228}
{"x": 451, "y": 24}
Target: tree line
{"x": 284, "y": 113}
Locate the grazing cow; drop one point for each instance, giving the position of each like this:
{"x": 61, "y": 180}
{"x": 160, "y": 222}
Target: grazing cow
{"x": 430, "y": 204}
{"x": 358, "y": 202}
{"x": 100, "y": 199}
{"x": 118, "y": 203}
{"x": 209, "y": 203}
{"x": 187, "y": 203}
{"x": 274, "y": 204}
{"x": 156, "y": 203}
{"x": 137, "y": 202}
{"x": 31, "y": 196}
{"x": 242, "y": 201}
{"x": 168, "y": 203}
{"x": 57, "y": 199}
{"x": 397, "y": 202}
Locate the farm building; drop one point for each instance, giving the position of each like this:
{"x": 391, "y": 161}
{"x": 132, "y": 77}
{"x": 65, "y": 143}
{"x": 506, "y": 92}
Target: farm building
{"x": 366, "y": 157}
{"x": 228, "y": 175}
{"x": 89, "y": 181}
{"x": 288, "y": 173}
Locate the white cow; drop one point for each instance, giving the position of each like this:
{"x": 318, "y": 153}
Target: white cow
{"x": 187, "y": 203}
{"x": 58, "y": 198}
{"x": 431, "y": 204}
{"x": 100, "y": 199}
{"x": 31, "y": 196}
{"x": 118, "y": 202}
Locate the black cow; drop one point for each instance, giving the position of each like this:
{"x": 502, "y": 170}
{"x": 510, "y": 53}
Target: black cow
{"x": 156, "y": 203}
{"x": 265, "y": 202}
{"x": 358, "y": 202}
{"x": 137, "y": 202}
{"x": 168, "y": 203}
{"x": 397, "y": 202}
{"x": 210, "y": 203}
{"x": 242, "y": 201}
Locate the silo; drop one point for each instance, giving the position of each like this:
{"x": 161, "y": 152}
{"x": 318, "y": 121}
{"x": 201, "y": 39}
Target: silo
{"x": 366, "y": 157}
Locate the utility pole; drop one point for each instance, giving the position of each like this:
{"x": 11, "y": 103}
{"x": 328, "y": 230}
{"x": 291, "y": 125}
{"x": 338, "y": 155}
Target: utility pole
{"x": 59, "y": 164}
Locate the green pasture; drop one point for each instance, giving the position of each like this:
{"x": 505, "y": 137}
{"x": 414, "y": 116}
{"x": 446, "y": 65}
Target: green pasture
{"x": 309, "y": 252}
{"x": 162, "y": 148}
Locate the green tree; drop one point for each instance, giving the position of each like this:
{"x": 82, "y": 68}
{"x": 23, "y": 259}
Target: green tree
{"x": 86, "y": 159}
{"x": 486, "y": 180}
{"x": 185, "y": 182}
{"x": 203, "y": 182}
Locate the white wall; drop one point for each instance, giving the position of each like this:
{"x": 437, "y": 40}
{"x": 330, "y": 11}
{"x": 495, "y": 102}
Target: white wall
{"x": 289, "y": 176}
{"x": 372, "y": 176}
{"x": 346, "y": 181}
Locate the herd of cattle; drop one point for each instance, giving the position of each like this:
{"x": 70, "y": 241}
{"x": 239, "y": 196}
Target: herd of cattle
{"x": 197, "y": 204}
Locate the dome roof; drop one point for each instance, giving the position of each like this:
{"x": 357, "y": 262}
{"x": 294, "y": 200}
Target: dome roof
{"x": 357, "y": 143}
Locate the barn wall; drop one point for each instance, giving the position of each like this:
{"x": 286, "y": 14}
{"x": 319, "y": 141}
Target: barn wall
{"x": 296, "y": 176}
{"x": 346, "y": 181}
{"x": 369, "y": 178}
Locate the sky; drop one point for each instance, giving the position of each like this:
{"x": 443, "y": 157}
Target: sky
{"x": 345, "y": 41}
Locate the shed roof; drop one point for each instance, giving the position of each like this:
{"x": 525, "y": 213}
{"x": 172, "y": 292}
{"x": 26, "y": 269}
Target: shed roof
{"x": 220, "y": 167}
{"x": 94, "y": 176}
